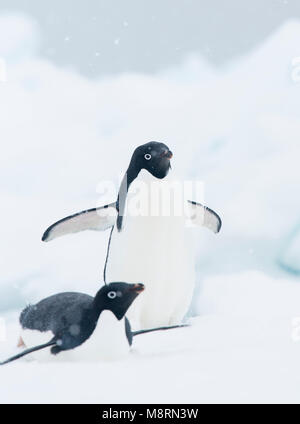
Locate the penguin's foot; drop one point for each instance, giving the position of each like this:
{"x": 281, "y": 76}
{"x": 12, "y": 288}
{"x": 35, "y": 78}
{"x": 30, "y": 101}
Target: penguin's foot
{"x": 55, "y": 350}
{"x": 21, "y": 343}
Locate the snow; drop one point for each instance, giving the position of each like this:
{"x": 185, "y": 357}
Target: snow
{"x": 241, "y": 351}
{"x": 19, "y": 37}
{"x": 235, "y": 128}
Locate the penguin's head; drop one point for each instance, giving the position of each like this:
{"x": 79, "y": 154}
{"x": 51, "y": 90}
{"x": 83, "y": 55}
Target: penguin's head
{"x": 154, "y": 157}
{"x": 118, "y": 297}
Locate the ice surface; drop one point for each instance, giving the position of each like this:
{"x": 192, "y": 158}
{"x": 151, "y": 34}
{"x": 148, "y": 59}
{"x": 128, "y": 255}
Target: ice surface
{"x": 238, "y": 130}
{"x": 289, "y": 258}
{"x": 244, "y": 348}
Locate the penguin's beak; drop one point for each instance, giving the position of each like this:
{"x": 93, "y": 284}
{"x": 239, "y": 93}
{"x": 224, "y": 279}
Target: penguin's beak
{"x": 138, "y": 288}
{"x": 167, "y": 154}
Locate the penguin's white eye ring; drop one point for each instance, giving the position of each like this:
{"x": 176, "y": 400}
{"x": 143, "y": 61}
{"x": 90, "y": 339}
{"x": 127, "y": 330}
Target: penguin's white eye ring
{"x": 147, "y": 156}
{"x": 112, "y": 295}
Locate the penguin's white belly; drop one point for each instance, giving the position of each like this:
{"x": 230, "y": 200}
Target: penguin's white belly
{"x": 156, "y": 251}
{"x": 108, "y": 342}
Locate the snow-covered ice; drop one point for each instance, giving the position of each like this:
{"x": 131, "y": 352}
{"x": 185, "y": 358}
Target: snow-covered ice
{"x": 235, "y": 128}
{"x": 246, "y": 349}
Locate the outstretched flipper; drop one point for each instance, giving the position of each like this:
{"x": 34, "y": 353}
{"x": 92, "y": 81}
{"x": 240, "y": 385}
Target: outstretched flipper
{"x": 27, "y": 352}
{"x": 152, "y": 330}
{"x": 96, "y": 219}
{"x": 205, "y": 217}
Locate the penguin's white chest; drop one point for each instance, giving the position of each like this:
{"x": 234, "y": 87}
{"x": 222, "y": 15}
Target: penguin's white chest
{"x": 108, "y": 342}
{"x": 153, "y": 248}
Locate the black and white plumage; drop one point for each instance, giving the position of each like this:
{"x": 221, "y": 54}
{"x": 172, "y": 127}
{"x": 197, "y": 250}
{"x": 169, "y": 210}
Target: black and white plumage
{"x": 96, "y": 219}
{"x": 204, "y": 216}
{"x": 76, "y": 326}
{"x": 153, "y": 249}
{"x": 74, "y": 320}
{"x": 72, "y": 317}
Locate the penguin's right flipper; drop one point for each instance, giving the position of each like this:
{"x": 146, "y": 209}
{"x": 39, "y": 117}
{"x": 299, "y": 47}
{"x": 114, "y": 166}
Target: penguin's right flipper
{"x": 97, "y": 219}
{"x": 27, "y": 352}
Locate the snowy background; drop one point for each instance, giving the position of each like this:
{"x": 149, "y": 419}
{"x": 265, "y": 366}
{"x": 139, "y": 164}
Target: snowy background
{"x": 234, "y": 126}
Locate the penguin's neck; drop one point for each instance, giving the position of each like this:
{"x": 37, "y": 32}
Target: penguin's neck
{"x": 130, "y": 175}
{"x": 100, "y": 304}
{"x": 141, "y": 185}
{"x": 98, "y": 307}
{"x": 148, "y": 178}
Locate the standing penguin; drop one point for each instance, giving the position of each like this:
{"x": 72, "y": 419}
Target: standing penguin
{"x": 150, "y": 246}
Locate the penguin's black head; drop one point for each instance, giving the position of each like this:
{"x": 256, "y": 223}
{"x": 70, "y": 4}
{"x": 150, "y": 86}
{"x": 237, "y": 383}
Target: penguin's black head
{"x": 154, "y": 157}
{"x": 118, "y": 297}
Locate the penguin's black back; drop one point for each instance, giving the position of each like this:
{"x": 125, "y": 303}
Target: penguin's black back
{"x": 67, "y": 315}
{"x": 52, "y": 313}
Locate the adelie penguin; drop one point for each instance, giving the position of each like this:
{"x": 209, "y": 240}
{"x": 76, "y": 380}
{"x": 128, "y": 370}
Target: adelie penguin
{"x": 76, "y": 326}
{"x": 150, "y": 247}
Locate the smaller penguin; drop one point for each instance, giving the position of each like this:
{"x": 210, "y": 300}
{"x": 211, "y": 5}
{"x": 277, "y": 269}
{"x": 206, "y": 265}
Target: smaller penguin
{"x": 80, "y": 325}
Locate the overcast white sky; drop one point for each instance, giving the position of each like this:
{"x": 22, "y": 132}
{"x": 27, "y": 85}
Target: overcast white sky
{"x": 109, "y": 36}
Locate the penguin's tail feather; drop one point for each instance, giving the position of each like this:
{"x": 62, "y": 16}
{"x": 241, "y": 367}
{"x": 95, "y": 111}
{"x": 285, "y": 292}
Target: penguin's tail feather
{"x": 27, "y": 352}
{"x": 152, "y": 330}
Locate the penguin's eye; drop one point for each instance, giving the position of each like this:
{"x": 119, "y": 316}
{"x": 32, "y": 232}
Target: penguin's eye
{"x": 147, "y": 156}
{"x": 112, "y": 295}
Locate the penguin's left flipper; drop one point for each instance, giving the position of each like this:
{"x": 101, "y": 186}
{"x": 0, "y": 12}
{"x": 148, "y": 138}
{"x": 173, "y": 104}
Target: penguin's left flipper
{"x": 97, "y": 219}
{"x": 152, "y": 330}
{"x": 27, "y": 352}
{"x": 129, "y": 333}
{"x": 204, "y": 217}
